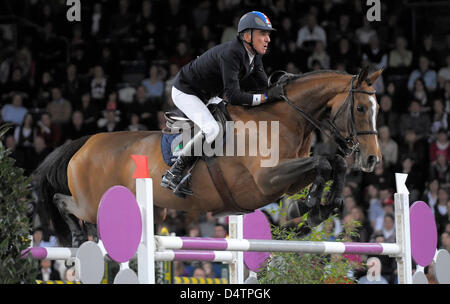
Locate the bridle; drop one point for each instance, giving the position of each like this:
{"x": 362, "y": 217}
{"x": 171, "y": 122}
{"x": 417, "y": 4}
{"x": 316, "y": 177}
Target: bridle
{"x": 347, "y": 145}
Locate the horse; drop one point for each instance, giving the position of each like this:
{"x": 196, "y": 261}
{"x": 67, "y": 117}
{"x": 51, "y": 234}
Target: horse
{"x": 72, "y": 179}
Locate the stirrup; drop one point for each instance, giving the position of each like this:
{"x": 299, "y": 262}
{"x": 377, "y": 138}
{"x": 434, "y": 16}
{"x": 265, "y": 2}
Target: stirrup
{"x": 167, "y": 180}
{"x": 183, "y": 189}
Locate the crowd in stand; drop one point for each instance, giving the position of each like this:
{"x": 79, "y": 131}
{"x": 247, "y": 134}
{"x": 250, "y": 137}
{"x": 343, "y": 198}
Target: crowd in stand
{"x": 113, "y": 71}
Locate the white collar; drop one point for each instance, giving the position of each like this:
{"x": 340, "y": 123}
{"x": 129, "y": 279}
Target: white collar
{"x": 250, "y": 55}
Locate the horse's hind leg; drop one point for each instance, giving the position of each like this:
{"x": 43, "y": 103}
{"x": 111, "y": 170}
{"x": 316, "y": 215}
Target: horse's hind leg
{"x": 66, "y": 206}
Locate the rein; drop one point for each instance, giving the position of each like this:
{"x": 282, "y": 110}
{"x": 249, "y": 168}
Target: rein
{"x": 347, "y": 145}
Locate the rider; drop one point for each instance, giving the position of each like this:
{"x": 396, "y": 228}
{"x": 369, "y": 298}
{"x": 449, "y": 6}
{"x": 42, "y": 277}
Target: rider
{"x": 221, "y": 71}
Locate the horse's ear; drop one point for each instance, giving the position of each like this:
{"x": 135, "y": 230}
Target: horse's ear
{"x": 362, "y": 76}
{"x": 374, "y": 77}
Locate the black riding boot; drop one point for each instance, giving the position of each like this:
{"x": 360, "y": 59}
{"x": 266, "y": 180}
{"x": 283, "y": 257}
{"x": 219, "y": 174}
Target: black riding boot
{"x": 173, "y": 178}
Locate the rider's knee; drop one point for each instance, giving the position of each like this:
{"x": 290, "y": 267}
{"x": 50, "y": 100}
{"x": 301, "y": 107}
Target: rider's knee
{"x": 211, "y": 130}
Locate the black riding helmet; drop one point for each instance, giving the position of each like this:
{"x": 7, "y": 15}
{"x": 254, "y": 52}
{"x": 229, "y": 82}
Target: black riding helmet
{"x": 254, "y": 20}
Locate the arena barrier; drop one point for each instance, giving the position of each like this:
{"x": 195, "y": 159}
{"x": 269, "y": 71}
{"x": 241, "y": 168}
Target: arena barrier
{"x": 126, "y": 227}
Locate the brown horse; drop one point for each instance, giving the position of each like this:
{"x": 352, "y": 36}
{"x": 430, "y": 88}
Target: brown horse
{"x": 75, "y": 176}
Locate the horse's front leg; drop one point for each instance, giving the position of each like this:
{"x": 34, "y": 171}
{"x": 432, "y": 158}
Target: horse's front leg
{"x": 293, "y": 172}
{"x": 298, "y": 173}
{"x": 336, "y": 196}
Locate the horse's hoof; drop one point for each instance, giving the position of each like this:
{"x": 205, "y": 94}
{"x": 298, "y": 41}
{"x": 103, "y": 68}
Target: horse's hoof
{"x": 338, "y": 205}
{"x": 312, "y": 201}
{"x": 314, "y": 217}
{"x": 293, "y": 211}
{"x": 296, "y": 208}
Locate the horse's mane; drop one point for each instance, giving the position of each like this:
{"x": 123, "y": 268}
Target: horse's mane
{"x": 287, "y": 78}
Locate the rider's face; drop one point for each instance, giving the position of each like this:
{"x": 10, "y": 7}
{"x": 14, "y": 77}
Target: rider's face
{"x": 261, "y": 41}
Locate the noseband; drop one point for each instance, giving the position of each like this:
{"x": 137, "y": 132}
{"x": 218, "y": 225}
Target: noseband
{"x": 347, "y": 145}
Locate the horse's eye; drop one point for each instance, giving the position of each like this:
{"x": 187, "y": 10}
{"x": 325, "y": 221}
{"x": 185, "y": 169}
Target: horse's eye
{"x": 360, "y": 108}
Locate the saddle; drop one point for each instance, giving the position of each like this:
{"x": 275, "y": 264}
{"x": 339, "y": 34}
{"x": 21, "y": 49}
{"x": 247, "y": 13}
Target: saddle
{"x": 219, "y": 112}
{"x": 172, "y": 141}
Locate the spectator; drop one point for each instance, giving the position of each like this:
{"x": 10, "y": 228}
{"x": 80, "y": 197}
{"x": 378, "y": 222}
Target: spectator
{"x": 400, "y": 58}
{"x": 415, "y": 120}
{"x": 38, "y": 154}
{"x": 25, "y": 133}
{"x": 17, "y": 84}
{"x": 430, "y": 195}
{"x": 373, "y": 275}
{"x": 99, "y": 87}
{"x": 419, "y": 93}
{"x": 388, "y": 117}
{"x": 364, "y": 33}
{"x": 50, "y": 132}
{"x": 150, "y": 41}
{"x": 375, "y": 211}
{"x": 389, "y": 228}
{"x": 319, "y": 54}
{"x": 426, "y": 73}
{"x": 154, "y": 85}
{"x": 439, "y": 119}
{"x": 44, "y": 90}
{"x": 208, "y": 268}
{"x": 445, "y": 241}
{"x": 415, "y": 180}
{"x": 77, "y": 128}
{"x": 444, "y": 73}
{"x": 59, "y": 108}
{"x": 181, "y": 57}
{"x": 380, "y": 177}
{"x": 14, "y": 112}
{"x": 344, "y": 54}
{"x": 48, "y": 272}
{"x": 111, "y": 123}
{"x": 388, "y": 264}
{"x": 446, "y": 96}
{"x": 194, "y": 230}
{"x": 199, "y": 273}
{"x": 410, "y": 146}
{"x": 18, "y": 154}
{"x": 72, "y": 86}
{"x": 220, "y": 231}
{"x": 441, "y": 213}
{"x": 310, "y": 33}
{"x": 349, "y": 204}
{"x": 440, "y": 170}
{"x": 365, "y": 230}
{"x": 134, "y": 123}
{"x": 440, "y": 146}
{"x": 98, "y": 26}
{"x": 374, "y": 55}
{"x": 179, "y": 269}
{"x": 175, "y": 221}
{"x": 143, "y": 106}
{"x": 343, "y": 30}
{"x": 428, "y": 50}
{"x": 389, "y": 148}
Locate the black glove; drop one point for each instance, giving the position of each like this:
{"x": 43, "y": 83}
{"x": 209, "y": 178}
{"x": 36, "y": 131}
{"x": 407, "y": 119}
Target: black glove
{"x": 275, "y": 93}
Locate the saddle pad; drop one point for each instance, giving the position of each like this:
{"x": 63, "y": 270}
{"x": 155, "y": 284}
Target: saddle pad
{"x": 170, "y": 143}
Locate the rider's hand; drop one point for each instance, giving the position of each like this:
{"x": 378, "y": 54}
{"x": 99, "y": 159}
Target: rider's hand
{"x": 274, "y": 93}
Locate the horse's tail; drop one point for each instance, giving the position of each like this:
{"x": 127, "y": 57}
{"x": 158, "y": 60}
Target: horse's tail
{"x": 51, "y": 178}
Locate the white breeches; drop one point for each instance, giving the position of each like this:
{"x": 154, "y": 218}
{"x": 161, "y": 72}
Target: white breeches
{"x": 196, "y": 110}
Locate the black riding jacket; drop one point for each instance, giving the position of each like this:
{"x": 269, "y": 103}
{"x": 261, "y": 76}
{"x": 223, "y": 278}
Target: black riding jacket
{"x": 223, "y": 71}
